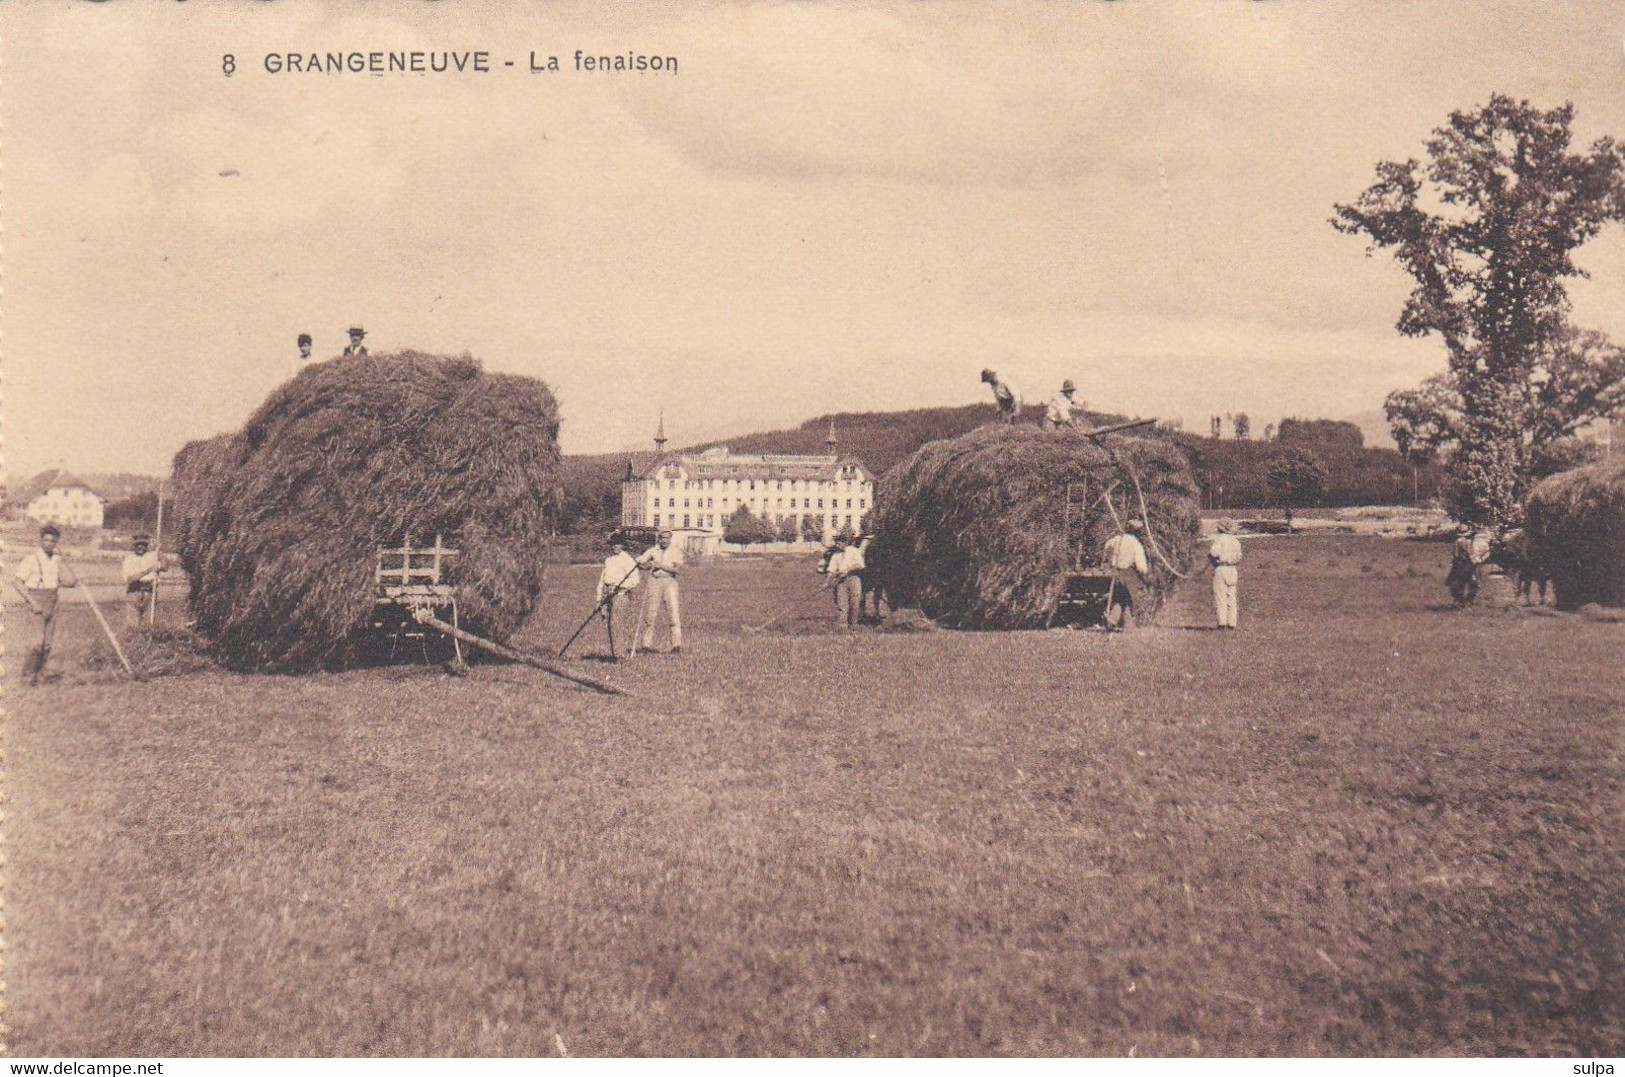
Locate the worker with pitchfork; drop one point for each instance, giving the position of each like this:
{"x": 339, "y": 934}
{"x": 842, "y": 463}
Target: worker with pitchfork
{"x": 1125, "y": 556}
{"x": 616, "y": 583}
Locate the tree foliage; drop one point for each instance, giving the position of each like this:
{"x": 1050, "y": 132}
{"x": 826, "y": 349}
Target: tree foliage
{"x": 744, "y": 528}
{"x": 1297, "y": 478}
{"x": 1487, "y": 229}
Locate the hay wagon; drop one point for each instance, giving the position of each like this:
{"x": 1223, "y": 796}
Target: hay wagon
{"x": 1086, "y": 596}
{"x": 412, "y": 581}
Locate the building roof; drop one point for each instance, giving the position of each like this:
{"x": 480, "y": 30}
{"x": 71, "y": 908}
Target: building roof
{"x": 719, "y": 463}
{"x": 56, "y": 479}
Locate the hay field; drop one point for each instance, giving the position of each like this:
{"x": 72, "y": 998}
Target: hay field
{"x": 1363, "y": 824}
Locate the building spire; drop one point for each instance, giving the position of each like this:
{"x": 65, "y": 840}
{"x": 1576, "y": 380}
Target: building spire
{"x": 829, "y": 442}
{"x": 660, "y": 433}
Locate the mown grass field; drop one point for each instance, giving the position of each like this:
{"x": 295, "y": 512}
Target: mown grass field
{"x": 1362, "y": 824}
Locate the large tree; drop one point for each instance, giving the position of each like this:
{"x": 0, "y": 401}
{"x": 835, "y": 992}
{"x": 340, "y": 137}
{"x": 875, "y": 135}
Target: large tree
{"x": 1298, "y": 479}
{"x": 1487, "y": 229}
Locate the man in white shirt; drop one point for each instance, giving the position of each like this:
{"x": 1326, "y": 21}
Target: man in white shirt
{"x": 663, "y": 563}
{"x": 616, "y": 583}
{"x": 1125, "y": 556}
{"x": 140, "y": 570}
{"x": 846, "y": 576}
{"x": 1063, "y": 410}
{"x": 39, "y": 576}
{"x": 1225, "y": 554}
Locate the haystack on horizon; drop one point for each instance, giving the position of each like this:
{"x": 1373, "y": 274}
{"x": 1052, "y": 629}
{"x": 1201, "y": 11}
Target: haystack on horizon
{"x": 279, "y": 524}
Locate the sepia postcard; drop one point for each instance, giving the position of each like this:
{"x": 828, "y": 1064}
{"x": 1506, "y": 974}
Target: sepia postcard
{"x": 857, "y": 529}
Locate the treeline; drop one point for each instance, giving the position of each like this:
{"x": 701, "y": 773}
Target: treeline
{"x": 1236, "y": 474}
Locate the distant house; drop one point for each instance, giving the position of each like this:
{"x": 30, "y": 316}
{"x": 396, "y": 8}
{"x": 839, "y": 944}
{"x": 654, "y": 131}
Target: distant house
{"x": 65, "y": 501}
{"x": 693, "y": 494}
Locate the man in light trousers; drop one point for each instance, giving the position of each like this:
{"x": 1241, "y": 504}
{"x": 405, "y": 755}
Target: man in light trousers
{"x": 662, "y": 563}
{"x": 846, "y": 576}
{"x": 1225, "y": 553}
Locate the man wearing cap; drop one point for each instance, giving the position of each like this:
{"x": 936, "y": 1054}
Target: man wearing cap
{"x": 140, "y": 571}
{"x": 355, "y": 347}
{"x": 39, "y": 576}
{"x": 1002, "y": 396}
{"x": 616, "y": 583}
{"x": 1125, "y": 556}
{"x": 1225, "y": 555}
{"x": 1063, "y": 410}
{"x": 664, "y": 563}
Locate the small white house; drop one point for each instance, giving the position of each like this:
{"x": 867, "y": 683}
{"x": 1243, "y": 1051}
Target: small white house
{"x": 67, "y": 502}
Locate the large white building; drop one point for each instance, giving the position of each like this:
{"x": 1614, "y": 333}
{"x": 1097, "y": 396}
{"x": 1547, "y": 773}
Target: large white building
{"x": 66, "y": 502}
{"x": 693, "y": 494}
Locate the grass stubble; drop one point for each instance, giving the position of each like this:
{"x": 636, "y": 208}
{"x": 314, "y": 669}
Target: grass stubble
{"x": 1363, "y": 824}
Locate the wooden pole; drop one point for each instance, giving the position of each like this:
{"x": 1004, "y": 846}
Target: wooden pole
{"x": 110, "y": 637}
{"x": 427, "y": 618}
{"x": 157, "y": 548}
{"x": 1120, "y": 426}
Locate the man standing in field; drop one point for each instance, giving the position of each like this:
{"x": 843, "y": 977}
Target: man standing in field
{"x": 1472, "y": 550}
{"x": 1002, "y": 396}
{"x": 355, "y": 347}
{"x": 140, "y": 571}
{"x": 1063, "y": 410}
{"x": 39, "y": 576}
{"x": 846, "y": 576}
{"x": 1125, "y": 556}
{"x": 616, "y": 583}
{"x": 1225, "y": 555}
{"x": 664, "y": 563}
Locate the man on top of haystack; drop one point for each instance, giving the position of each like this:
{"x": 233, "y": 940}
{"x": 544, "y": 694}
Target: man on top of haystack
{"x": 1002, "y": 396}
{"x": 1063, "y": 411}
{"x": 355, "y": 347}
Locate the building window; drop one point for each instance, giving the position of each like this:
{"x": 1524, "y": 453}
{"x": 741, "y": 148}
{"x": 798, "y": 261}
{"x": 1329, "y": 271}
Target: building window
{"x": 657, "y": 519}
{"x": 820, "y": 502}
{"x": 685, "y": 519}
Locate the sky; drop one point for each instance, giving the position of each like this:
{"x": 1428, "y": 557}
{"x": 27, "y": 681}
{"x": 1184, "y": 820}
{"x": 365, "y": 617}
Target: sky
{"x": 831, "y": 207}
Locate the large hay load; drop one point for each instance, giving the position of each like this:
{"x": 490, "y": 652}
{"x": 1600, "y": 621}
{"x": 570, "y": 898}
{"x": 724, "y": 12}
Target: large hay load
{"x": 279, "y": 525}
{"x": 1575, "y": 522}
{"x": 981, "y": 531}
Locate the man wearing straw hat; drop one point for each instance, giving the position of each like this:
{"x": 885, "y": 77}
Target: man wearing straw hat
{"x": 355, "y": 347}
{"x": 39, "y": 577}
{"x": 1125, "y": 556}
{"x": 1225, "y": 555}
{"x": 1063, "y": 410}
{"x": 140, "y": 570}
{"x": 664, "y": 563}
